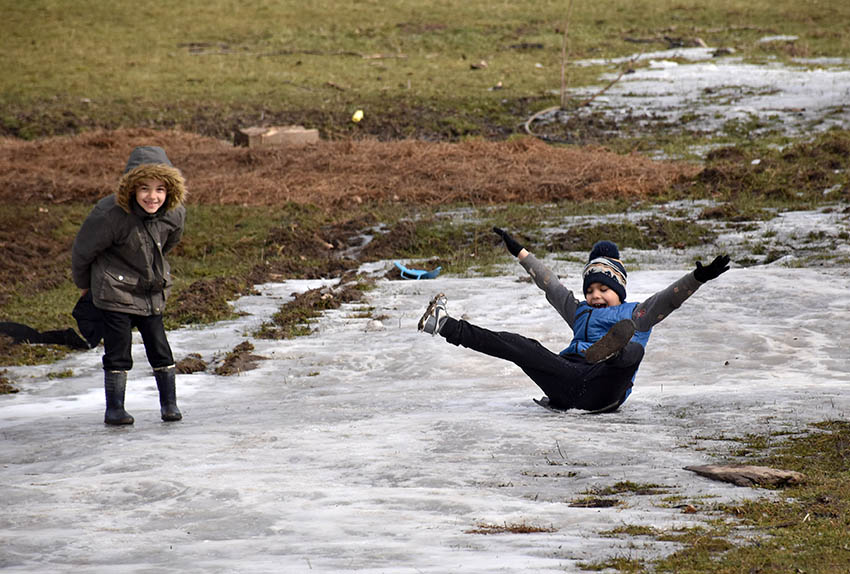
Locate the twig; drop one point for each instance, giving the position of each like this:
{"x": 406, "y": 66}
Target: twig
{"x": 535, "y": 116}
{"x": 625, "y": 69}
{"x": 564, "y": 58}
{"x": 582, "y": 104}
{"x": 384, "y": 56}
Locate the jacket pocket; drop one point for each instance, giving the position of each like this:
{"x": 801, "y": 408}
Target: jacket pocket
{"x": 118, "y": 288}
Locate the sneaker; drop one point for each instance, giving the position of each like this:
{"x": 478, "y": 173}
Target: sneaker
{"x": 435, "y": 315}
{"x": 611, "y": 343}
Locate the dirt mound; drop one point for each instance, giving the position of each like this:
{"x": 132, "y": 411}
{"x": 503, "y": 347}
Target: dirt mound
{"x": 239, "y": 360}
{"x": 6, "y": 386}
{"x": 87, "y": 167}
{"x": 31, "y": 254}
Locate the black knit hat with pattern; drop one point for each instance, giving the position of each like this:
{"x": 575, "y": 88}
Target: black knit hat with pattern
{"x": 604, "y": 266}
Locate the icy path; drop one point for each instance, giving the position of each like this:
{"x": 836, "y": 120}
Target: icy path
{"x": 700, "y": 90}
{"x": 377, "y": 449}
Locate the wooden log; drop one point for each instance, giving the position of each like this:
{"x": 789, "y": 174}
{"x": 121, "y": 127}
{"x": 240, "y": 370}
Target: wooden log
{"x": 745, "y": 475}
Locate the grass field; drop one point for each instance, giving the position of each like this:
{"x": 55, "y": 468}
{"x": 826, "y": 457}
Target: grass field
{"x": 212, "y": 66}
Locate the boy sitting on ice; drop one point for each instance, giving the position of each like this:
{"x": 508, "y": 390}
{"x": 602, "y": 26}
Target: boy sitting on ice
{"x": 596, "y": 371}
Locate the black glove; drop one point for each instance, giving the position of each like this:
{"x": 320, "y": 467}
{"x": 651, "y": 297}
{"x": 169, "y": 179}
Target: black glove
{"x": 513, "y": 247}
{"x": 713, "y": 270}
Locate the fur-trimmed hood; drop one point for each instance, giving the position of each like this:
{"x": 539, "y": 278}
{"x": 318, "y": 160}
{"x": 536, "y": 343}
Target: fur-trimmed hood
{"x": 150, "y": 162}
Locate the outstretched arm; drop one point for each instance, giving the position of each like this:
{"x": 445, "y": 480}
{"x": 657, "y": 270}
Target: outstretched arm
{"x": 659, "y": 306}
{"x": 559, "y": 297}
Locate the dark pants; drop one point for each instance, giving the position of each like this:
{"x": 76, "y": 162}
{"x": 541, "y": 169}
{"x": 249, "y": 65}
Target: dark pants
{"x": 569, "y": 381}
{"x": 118, "y": 340}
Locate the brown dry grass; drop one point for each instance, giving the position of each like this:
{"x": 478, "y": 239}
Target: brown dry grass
{"x": 332, "y": 174}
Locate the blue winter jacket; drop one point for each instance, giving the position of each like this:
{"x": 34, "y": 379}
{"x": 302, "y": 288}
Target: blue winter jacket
{"x": 589, "y": 324}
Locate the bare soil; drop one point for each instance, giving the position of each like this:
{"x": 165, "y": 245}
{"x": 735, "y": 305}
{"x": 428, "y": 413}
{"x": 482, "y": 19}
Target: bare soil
{"x": 31, "y": 253}
{"x": 6, "y": 386}
{"x": 239, "y": 360}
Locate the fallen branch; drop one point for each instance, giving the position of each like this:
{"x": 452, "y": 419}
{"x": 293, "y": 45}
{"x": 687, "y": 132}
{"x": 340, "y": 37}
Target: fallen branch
{"x": 565, "y": 56}
{"x": 534, "y": 118}
{"x": 622, "y": 73}
{"x": 745, "y": 475}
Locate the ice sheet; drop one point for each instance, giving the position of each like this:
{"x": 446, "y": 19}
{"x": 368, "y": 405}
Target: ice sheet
{"x": 692, "y": 90}
{"x": 369, "y": 446}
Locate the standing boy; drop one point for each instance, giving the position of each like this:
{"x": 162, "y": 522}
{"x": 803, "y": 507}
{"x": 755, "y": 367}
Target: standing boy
{"x": 118, "y": 259}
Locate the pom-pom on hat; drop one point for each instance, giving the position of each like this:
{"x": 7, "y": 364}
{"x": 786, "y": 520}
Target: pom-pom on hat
{"x": 604, "y": 266}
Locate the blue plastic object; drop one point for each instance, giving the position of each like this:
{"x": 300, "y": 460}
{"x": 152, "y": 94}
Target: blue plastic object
{"x": 417, "y": 273}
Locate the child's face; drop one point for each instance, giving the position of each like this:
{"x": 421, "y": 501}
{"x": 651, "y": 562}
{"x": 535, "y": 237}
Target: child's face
{"x": 150, "y": 194}
{"x": 599, "y": 295}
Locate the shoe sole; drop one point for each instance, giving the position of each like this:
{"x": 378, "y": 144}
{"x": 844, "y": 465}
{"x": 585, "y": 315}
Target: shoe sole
{"x": 429, "y": 310}
{"x": 544, "y": 402}
{"x": 612, "y": 342}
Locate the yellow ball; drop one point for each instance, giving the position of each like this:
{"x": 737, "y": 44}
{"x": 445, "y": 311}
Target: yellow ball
{"x": 358, "y": 115}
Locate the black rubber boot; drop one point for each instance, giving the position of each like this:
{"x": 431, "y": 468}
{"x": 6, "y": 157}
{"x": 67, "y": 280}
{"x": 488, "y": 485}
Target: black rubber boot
{"x": 115, "y": 383}
{"x": 611, "y": 343}
{"x": 166, "y": 383}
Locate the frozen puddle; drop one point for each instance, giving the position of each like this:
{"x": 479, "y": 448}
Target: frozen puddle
{"x": 371, "y": 447}
{"x": 692, "y": 90}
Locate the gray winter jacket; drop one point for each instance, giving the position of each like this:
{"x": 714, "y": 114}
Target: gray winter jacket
{"x": 119, "y": 251}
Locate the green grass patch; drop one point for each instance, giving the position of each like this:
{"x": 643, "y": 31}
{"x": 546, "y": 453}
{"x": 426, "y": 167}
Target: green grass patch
{"x": 630, "y": 487}
{"x": 26, "y": 354}
{"x": 618, "y": 563}
{"x": 630, "y": 530}
{"x": 509, "y": 528}
{"x": 211, "y": 65}
{"x": 43, "y": 310}
{"x": 293, "y": 319}
{"x": 802, "y": 530}
{"x": 648, "y": 234}
{"x": 756, "y": 176}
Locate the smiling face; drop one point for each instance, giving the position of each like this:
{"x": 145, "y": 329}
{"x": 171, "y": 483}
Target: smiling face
{"x": 599, "y": 295}
{"x": 151, "y": 194}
